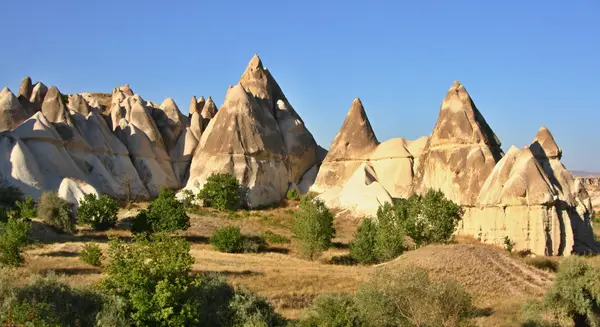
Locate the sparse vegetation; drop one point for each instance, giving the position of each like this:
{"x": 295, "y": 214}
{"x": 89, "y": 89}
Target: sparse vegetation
{"x": 221, "y": 192}
{"x": 508, "y": 244}
{"x": 9, "y": 195}
{"x": 13, "y": 238}
{"x": 407, "y": 297}
{"x": 292, "y": 194}
{"x": 91, "y": 254}
{"x": 313, "y": 227}
{"x": 573, "y": 300}
{"x": 98, "y": 212}
{"x": 275, "y": 238}
{"x": 56, "y": 212}
{"x": 165, "y": 214}
{"x": 230, "y": 239}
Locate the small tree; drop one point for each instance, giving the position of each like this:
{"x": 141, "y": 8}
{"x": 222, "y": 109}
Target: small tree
{"x": 165, "y": 214}
{"x": 313, "y": 227}
{"x": 227, "y": 239}
{"x": 98, "y": 212}
{"x": 389, "y": 242}
{"x": 221, "y": 192}
{"x": 292, "y": 194}
{"x": 13, "y": 238}
{"x": 56, "y": 212}
{"x": 362, "y": 248}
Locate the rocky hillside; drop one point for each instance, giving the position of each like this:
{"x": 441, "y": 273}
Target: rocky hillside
{"x": 123, "y": 145}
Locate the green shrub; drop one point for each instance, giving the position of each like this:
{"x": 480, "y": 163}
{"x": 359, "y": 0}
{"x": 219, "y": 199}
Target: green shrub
{"x": 13, "y": 238}
{"x": 404, "y": 297}
{"x": 56, "y": 212}
{"x": 292, "y": 194}
{"x": 47, "y": 301}
{"x": 98, "y": 212}
{"x": 165, "y": 214}
{"x": 229, "y": 239}
{"x": 362, "y": 248}
{"x": 9, "y": 195}
{"x": 24, "y": 209}
{"x": 508, "y": 244}
{"x": 91, "y": 254}
{"x": 152, "y": 276}
{"x": 271, "y": 237}
{"x": 188, "y": 198}
{"x": 332, "y": 311}
{"x": 221, "y": 192}
{"x": 573, "y": 299}
{"x": 430, "y": 218}
{"x": 389, "y": 242}
{"x": 313, "y": 227}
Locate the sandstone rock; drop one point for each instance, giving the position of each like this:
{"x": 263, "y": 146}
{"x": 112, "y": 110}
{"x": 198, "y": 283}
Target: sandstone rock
{"x": 37, "y": 95}
{"x": 181, "y": 156}
{"x": 200, "y": 105}
{"x": 393, "y": 163}
{"x": 12, "y": 114}
{"x": 351, "y": 146}
{"x": 78, "y": 104}
{"x": 193, "y": 106}
{"x": 73, "y": 191}
{"x": 196, "y": 125}
{"x": 244, "y": 140}
{"x": 361, "y": 196}
{"x": 461, "y": 151}
{"x": 53, "y": 107}
{"x": 19, "y": 167}
{"x": 26, "y": 88}
{"x": 169, "y": 121}
{"x": 209, "y": 110}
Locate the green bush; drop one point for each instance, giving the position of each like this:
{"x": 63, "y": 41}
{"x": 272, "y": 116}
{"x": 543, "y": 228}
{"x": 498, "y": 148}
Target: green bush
{"x": 9, "y": 195}
{"x": 152, "y": 276}
{"x": 188, "y": 199}
{"x": 271, "y": 237}
{"x": 221, "y": 192}
{"x": 362, "y": 248}
{"x": 230, "y": 239}
{"x": 165, "y": 214}
{"x": 91, "y": 254}
{"x": 47, "y": 301}
{"x": 389, "y": 242}
{"x": 292, "y": 194}
{"x": 13, "y": 238}
{"x": 313, "y": 227}
{"x": 98, "y": 212}
{"x": 404, "y": 297}
{"x": 56, "y": 212}
{"x": 430, "y": 218}
{"x": 573, "y": 299}
{"x": 508, "y": 244}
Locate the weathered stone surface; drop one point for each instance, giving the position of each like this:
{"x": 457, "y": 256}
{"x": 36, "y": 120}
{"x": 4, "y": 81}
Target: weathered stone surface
{"x": 393, "y": 163}
{"x": 12, "y": 114}
{"x": 19, "y": 167}
{"x": 209, "y": 110}
{"x": 26, "y": 88}
{"x": 200, "y": 106}
{"x": 461, "y": 151}
{"x": 37, "y": 95}
{"x": 73, "y": 191}
{"x": 169, "y": 121}
{"x": 53, "y": 107}
{"x": 78, "y": 104}
{"x": 351, "y": 146}
{"x": 360, "y": 196}
{"x": 243, "y": 139}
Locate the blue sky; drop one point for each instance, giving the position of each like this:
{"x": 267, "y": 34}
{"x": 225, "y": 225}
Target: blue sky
{"x": 525, "y": 63}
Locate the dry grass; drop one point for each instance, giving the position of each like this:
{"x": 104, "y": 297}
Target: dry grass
{"x": 499, "y": 282}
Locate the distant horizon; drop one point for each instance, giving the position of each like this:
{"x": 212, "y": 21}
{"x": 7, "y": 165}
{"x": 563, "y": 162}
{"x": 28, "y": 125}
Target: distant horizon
{"x": 524, "y": 68}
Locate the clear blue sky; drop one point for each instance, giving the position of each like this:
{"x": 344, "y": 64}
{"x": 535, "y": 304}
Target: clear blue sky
{"x": 525, "y": 63}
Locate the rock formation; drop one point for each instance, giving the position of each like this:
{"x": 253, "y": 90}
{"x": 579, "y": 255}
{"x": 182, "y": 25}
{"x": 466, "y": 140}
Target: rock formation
{"x": 12, "y": 113}
{"x": 351, "y": 146}
{"x": 461, "y": 151}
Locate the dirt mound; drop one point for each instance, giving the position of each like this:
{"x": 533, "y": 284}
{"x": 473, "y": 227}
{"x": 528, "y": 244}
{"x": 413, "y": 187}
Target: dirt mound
{"x": 482, "y": 270}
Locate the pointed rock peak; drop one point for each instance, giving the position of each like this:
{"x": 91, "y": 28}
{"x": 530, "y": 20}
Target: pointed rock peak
{"x": 355, "y": 139}
{"x": 193, "y": 105}
{"x": 78, "y": 104}
{"x": 53, "y": 107}
{"x": 544, "y": 146}
{"x": 39, "y": 93}
{"x": 209, "y": 110}
{"x": 255, "y": 63}
{"x": 460, "y": 122}
{"x": 26, "y": 88}
{"x": 5, "y": 91}
{"x": 202, "y": 99}
{"x": 169, "y": 103}
{"x": 200, "y": 104}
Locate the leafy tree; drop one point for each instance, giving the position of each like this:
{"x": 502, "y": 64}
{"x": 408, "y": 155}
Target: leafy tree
{"x": 98, "y": 212}
{"x": 313, "y": 227}
{"x": 362, "y": 248}
{"x": 230, "y": 239}
{"x": 56, "y": 212}
{"x": 292, "y": 194}
{"x": 13, "y": 238}
{"x": 389, "y": 242}
{"x": 221, "y": 191}
{"x": 165, "y": 214}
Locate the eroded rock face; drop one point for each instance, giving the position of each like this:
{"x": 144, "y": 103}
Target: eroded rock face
{"x": 26, "y": 88}
{"x": 351, "y": 146}
{"x": 12, "y": 113}
{"x": 461, "y": 151}
{"x": 244, "y": 140}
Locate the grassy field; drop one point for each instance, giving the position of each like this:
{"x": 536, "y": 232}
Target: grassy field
{"x": 499, "y": 282}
